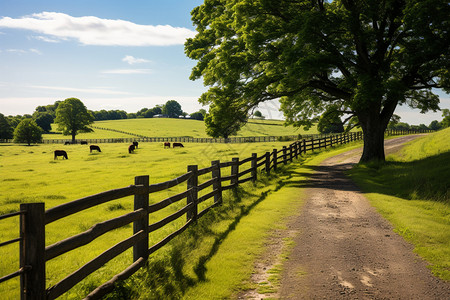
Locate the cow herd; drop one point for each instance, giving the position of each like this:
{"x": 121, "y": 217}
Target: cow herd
{"x": 131, "y": 148}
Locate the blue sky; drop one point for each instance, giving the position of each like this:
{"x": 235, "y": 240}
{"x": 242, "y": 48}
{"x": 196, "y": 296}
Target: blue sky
{"x": 110, "y": 54}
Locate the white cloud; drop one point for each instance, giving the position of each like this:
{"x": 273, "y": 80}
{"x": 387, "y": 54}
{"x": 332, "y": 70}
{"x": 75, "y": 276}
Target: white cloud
{"x": 91, "y": 30}
{"x": 46, "y": 39}
{"x": 133, "y": 60}
{"x": 36, "y": 51}
{"x": 127, "y": 71}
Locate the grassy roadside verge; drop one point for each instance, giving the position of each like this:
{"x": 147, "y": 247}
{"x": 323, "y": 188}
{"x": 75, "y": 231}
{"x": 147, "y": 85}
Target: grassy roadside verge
{"x": 411, "y": 190}
{"x": 228, "y": 270}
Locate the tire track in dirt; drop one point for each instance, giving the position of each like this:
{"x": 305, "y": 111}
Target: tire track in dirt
{"x": 346, "y": 250}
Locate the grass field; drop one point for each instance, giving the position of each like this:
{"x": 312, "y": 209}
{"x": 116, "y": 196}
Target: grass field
{"x": 412, "y": 191}
{"x": 30, "y": 174}
{"x": 155, "y": 127}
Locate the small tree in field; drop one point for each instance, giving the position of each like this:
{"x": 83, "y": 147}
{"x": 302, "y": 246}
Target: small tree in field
{"x": 73, "y": 117}
{"x": 27, "y": 132}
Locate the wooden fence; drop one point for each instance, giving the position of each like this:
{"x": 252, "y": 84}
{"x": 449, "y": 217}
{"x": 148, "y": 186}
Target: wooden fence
{"x": 33, "y": 217}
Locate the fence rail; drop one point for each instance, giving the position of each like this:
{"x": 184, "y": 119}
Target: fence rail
{"x": 34, "y": 254}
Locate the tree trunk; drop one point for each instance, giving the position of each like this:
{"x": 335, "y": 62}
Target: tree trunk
{"x": 73, "y": 137}
{"x": 373, "y": 130}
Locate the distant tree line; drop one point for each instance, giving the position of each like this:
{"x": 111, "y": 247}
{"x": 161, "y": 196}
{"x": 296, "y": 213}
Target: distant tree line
{"x": 44, "y": 116}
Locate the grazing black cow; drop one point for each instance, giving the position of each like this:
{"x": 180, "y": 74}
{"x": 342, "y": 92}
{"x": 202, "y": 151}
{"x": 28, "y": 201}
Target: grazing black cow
{"x": 131, "y": 148}
{"x": 178, "y": 145}
{"x": 94, "y": 147}
{"x": 83, "y": 143}
{"x": 67, "y": 143}
{"x": 136, "y": 144}
{"x": 61, "y": 153}
{"x": 166, "y": 145}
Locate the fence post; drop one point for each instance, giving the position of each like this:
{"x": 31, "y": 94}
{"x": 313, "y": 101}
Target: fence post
{"x": 254, "y": 163}
{"x": 192, "y": 197}
{"x": 32, "y": 254}
{"x": 217, "y": 186}
{"x": 140, "y": 249}
{"x": 275, "y": 159}
{"x": 284, "y": 155}
{"x": 234, "y": 171}
{"x": 268, "y": 162}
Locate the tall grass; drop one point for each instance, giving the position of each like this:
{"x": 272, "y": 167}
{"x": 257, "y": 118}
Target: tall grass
{"x": 411, "y": 190}
{"x": 30, "y": 174}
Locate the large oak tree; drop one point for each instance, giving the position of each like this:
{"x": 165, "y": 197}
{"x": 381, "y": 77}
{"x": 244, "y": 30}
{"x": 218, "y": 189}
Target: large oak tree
{"x": 364, "y": 58}
{"x": 73, "y": 117}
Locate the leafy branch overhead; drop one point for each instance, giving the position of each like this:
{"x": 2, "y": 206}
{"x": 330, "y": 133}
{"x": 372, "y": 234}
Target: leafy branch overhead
{"x": 361, "y": 58}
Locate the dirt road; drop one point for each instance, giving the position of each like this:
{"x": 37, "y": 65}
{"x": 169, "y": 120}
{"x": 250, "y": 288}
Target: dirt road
{"x": 345, "y": 250}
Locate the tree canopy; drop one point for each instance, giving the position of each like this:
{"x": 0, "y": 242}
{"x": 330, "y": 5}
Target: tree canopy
{"x": 27, "y": 132}
{"x": 362, "y": 57}
{"x": 6, "y": 131}
{"x": 172, "y": 109}
{"x": 73, "y": 117}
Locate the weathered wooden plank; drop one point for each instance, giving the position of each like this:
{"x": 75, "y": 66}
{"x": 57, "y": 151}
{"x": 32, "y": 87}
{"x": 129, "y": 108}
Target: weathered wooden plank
{"x": 226, "y": 164}
{"x": 108, "y": 286}
{"x": 245, "y": 160}
{"x": 169, "y": 237}
{"x": 205, "y": 170}
{"x": 75, "y": 206}
{"x": 261, "y": 164}
{"x": 15, "y": 274}
{"x": 206, "y": 196}
{"x": 71, "y": 280}
{"x": 226, "y": 178}
{"x": 168, "y": 219}
{"x": 166, "y": 202}
{"x": 207, "y": 183}
{"x": 244, "y": 180}
{"x": 11, "y": 215}
{"x": 91, "y": 234}
{"x": 228, "y": 187}
{"x": 169, "y": 184}
{"x": 10, "y": 241}
{"x": 244, "y": 172}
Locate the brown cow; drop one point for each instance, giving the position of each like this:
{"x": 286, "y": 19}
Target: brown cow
{"x": 178, "y": 145}
{"x": 94, "y": 147}
{"x": 131, "y": 148}
{"x": 61, "y": 153}
{"x": 166, "y": 145}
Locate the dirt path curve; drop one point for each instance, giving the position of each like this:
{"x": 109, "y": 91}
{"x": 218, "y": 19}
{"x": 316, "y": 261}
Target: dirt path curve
{"x": 346, "y": 250}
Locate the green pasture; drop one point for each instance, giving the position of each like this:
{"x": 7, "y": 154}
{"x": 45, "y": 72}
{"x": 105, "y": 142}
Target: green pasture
{"x": 163, "y": 127}
{"x": 411, "y": 190}
{"x": 30, "y": 174}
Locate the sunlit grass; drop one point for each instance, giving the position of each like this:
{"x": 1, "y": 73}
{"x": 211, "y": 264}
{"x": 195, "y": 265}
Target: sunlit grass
{"x": 155, "y": 127}
{"x": 411, "y": 190}
{"x": 30, "y": 174}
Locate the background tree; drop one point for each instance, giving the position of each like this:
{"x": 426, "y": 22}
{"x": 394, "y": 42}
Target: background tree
{"x": 197, "y": 116}
{"x": 446, "y": 121}
{"x": 363, "y": 57}
{"x": 27, "y": 132}
{"x": 330, "y": 122}
{"x": 172, "y": 109}
{"x": 72, "y": 117}
{"x": 44, "y": 120}
{"x": 435, "y": 125}
{"x": 6, "y": 131}
{"x": 221, "y": 122}
{"x": 258, "y": 114}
